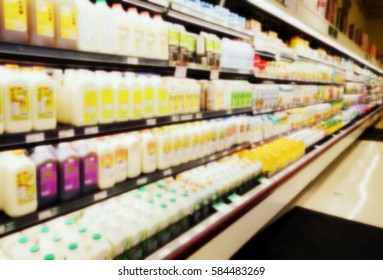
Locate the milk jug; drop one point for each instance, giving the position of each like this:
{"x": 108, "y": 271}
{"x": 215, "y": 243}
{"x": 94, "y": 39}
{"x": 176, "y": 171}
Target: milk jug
{"x": 18, "y": 175}
{"x": 19, "y": 251}
{"x": 148, "y": 95}
{"x": 76, "y": 252}
{"x": 146, "y": 46}
{"x": 42, "y": 22}
{"x": 84, "y": 100}
{"x": 14, "y": 21}
{"x": 122, "y": 97}
{"x": 122, "y": 27}
{"x": 43, "y": 96}
{"x": 106, "y": 110}
{"x": 100, "y": 249}
{"x": 148, "y": 152}
{"x": 134, "y": 33}
{"x": 136, "y": 96}
{"x": 17, "y": 101}
{"x": 87, "y": 26}
{"x": 69, "y": 172}
{"x": 132, "y": 142}
{"x": 106, "y": 169}
{"x": 87, "y": 151}
{"x": 47, "y": 177}
{"x": 161, "y": 42}
{"x": 2, "y": 73}
{"x": 63, "y": 90}
{"x": 66, "y": 24}
{"x": 120, "y": 158}
{"x": 161, "y": 96}
{"x": 106, "y": 28}
{"x": 164, "y": 150}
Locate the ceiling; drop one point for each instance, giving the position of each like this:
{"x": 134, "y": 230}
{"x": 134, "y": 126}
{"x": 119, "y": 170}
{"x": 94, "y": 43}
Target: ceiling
{"x": 373, "y": 9}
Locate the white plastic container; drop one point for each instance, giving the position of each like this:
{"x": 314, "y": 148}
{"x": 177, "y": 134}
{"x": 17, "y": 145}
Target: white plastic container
{"x": 106, "y": 28}
{"x": 100, "y": 249}
{"x": 164, "y": 150}
{"x": 87, "y": 26}
{"x": 107, "y": 98}
{"x": 18, "y": 175}
{"x": 161, "y": 45}
{"x": 122, "y": 97}
{"x": 17, "y": 101}
{"x": 134, "y": 34}
{"x": 148, "y": 152}
{"x": 136, "y": 97}
{"x": 122, "y": 26}
{"x": 2, "y": 73}
{"x": 161, "y": 96}
{"x": 76, "y": 252}
{"x": 43, "y": 97}
{"x": 106, "y": 169}
{"x": 20, "y": 250}
{"x": 148, "y": 39}
{"x": 132, "y": 143}
{"x": 176, "y": 147}
{"x": 120, "y": 158}
{"x": 148, "y": 96}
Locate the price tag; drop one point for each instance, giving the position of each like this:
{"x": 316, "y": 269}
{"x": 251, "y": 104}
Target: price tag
{"x": 99, "y": 196}
{"x": 10, "y": 226}
{"x": 91, "y": 130}
{"x": 225, "y": 153}
{"x": 142, "y": 181}
{"x": 132, "y": 60}
{"x": 234, "y": 197}
{"x": 181, "y": 72}
{"x": 213, "y": 157}
{"x": 229, "y": 112}
{"x": 214, "y": 75}
{"x": 66, "y": 133}
{"x": 45, "y": 214}
{"x": 200, "y": 228}
{"x": 186, "y": 117}
{"x": 175, "y": 118}
{"x": 36, "y": 137}
{"x": 168, "y": 172}
{"x": 198, "y": 116}
{"x": 184, "y": 240}
{"x": 277, "y": 57}
{"x": 151, "y": 122}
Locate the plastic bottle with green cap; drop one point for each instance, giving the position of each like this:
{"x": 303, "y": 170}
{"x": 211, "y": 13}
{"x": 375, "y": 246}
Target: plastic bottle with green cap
{"x": 107, "y": 28}
{"x": 35, "y": 253}
{"x": 76, "y": 252}
{"x": 20, "y": 250}
{"x": 3, "y": 257}
{"x": 99, "y": 249}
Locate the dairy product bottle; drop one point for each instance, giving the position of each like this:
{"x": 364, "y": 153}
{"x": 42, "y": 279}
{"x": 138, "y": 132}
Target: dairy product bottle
{"x": 161, "y": 40}
{"x": 19, "y": 250}
{"x": 106, "y": 110}
{"x": 87, "y": 151}
{"x": 106, "y": 164}
{"x": 100, "y": 249}
{"x": 66, "y": 29}
{"x": 122, "y": 27}
{"x": 136, "y": 97}
{"x": 134, "y": 164}
{"x": 19, "y": 190}
{"x": 134, "y": 33}
{"x": 148, "y": 96}
{"x": 14, "y": 23}
{"x": 10, "y": 241}
{"x": 148, "y": 39}
{"x": 161, "y": 96}
{"x": 177, "y": 146}
{"x": 76, "y": 252}
{"x": 2, "y": 73}
{"x": 69, "y": 172}
{"x": 2, "y": 256}
{"x": 174, "y": 42}
{"x": 120, "y": 158}
{"x": 41, "y": 22}
{"x": 62, "y": 81}
{"x": 43, "y": 96}
{"x": 164, "y": 150}
{"x": 87, "y": 26}
{"x": 122, "y": 97}
{"x": 17, "y": 101}
{"x": 47, "y": 177}
{"x": 106, "y": 28}
{"x": 148, "y": 152}
{"x": 84, "y": 99}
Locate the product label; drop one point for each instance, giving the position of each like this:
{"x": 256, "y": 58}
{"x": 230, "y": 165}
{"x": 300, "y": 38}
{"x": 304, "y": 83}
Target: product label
{"x": 45, "y": 18}
{"x": 184, "y": 40}
{"x": 167, "y": 149}
{"x": 209, "y": 45}
{"x": 107, "y": 103}
{"x": 107, "y": 161}
{"x": 45, "y": 102}
{"x": 137, "y": 104}
{"x": 149, "y": 100}
{"x": 15, "y": 15}
{"x": 121, "y": 157}
{"x": 138, "y": 38}
{"x": 71, "y": 174}
{"x": 90, "y": 106}
{"x": 174, "y": 37}
{"x": 26, "y": 187}
{"x": 68, "y": 21}
{"x": 162, "y": 100}
{"x": 178, "y": 148}
{"x": 123, "y": 104}
{"x": 48, "y": 180}
{"x": 20, "y": 105}
{"x": 1, "y": 107}
{"x": 152, "y": 151}
{"x": 90, "y": 171}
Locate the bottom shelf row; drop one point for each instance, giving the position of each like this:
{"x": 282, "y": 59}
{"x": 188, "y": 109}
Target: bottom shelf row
{"x": 135, "y": 224}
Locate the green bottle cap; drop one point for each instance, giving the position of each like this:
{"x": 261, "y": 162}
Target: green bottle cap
{"x": 57, "y": 238}
{"x": 69, "y": 222}
{"x": 34, "y": 249}
{"x": 173, "y": 200}
{"x": 82, "y": 230}
{"x": 151, "y": 201}
{"x": 96, "y": 236}
{"x": 159, "y": 195}
{"x": 49, "y": 257}
{"x": 23, "y": 240}
{"x": 142, "y": 189}
{"x": 72, "y": 246}
{"x": 138, "y": 196}
{"x": 163, "y": 205}
{"x": 160, "y": 186}
{"x": 44, "y": 229}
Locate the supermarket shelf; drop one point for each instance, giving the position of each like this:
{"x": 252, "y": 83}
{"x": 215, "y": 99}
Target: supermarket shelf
{"x": 9, "y": 225}
{"x": 154, "y": 6}
{"x": 251, "y": 212}
{"x": 356, "y": 82}
{"x": 266, "y": 54}
{"x": 273, "y": 78}
{"x": 182, "y": 13}
{"x": 314, "y": 60}
{"x": 68, "y": 133}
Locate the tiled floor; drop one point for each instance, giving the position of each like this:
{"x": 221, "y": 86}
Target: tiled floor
{"x": 352, "y": 187}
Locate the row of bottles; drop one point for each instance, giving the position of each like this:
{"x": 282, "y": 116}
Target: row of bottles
{"x": 85, "y": 26}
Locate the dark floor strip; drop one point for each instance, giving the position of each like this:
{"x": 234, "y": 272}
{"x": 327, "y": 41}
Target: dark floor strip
{"x": 302, "y": 234}
{"x": 372, "y": 134}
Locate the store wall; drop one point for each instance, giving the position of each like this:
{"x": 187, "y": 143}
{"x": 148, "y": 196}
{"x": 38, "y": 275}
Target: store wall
{"x": 375, "y": 30}
{"x": 356, "y": 15}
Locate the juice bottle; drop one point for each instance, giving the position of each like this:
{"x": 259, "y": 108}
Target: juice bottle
{"x": 43, "y": 97}
{"x": 14, "y": 21}
{"x": 148, "y": 96}
{"x": 87, "y": 151}
{"x": 134, "y": 33}
{"x": 41, "y": 22}
{"x": 164, "y": 149}
{"x": 19, "y": 190}
{"x": 106, "y": 164}
{"x": 120, "y": 158}
{"x": 132, "y": 142}
{"x": 47, "y": 177}
{"x": 106, "y": 28}
{"x": 148, "y": 152}
{"x": 17, "y": 101}
{"x": 87, "y": 26}
{"x": 106, "y": 110}
{"x": 2, "y": 73}
{"x": 69, "y": 172}
{"x": 161, "y": 96}
{"x": 66, "y": 24}
{"x": 136, "y": 97}
{"x": 122, "y": 97}
{"x": 161, "y": 40}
